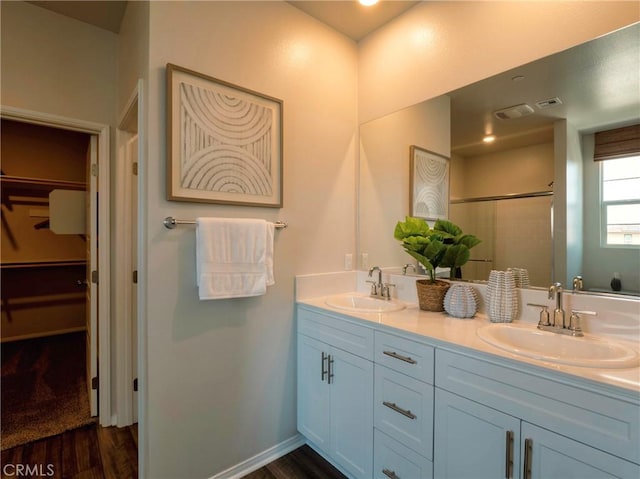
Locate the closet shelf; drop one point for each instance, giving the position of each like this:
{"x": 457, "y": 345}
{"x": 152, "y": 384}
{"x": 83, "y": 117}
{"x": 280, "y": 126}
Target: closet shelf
{"x": 23, "y": 182}
{"x": 43, "y": 264}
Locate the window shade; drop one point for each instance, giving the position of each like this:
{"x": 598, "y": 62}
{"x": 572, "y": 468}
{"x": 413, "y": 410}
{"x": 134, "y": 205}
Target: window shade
{"x": 617, "y": 143}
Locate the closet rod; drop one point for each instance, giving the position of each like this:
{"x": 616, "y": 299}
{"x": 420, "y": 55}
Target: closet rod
{"x": 170, "y": 222}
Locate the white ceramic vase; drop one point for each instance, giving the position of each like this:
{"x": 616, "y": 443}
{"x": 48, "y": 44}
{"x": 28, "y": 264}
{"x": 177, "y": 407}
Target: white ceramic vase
{"x": 461, "y": 301}
{"x": 502, "y": 298}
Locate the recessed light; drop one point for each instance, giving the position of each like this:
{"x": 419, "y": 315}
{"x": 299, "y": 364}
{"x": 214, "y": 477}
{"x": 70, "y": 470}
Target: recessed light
{"x": 367, "y": 3}
{"x": 489, "y": 139}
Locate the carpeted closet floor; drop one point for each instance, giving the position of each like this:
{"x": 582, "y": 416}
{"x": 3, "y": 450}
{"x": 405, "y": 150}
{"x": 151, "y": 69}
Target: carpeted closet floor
{"x": 44, "y": 390}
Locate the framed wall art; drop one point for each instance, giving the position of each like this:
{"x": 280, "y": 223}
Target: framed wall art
{"x": 224, "y": 142}
{"x": 429, "y": 184}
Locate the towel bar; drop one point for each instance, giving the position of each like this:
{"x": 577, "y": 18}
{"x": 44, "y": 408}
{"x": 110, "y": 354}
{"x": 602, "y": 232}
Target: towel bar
{"x": 170, "y": 222}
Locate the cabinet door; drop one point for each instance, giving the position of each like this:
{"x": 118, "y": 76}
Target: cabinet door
{"x": 351, "y": 385}
{"x": 550, "y": 455}
{"x": 474, "y": 441}
{"x": 313, "y": 391}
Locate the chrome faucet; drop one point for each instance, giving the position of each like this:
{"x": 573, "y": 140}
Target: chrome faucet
{"x": 558, "y": 313}
{"x": 558, "y": 325}
{"x": 406, "y": 266}
{"x": 577, "y": 283}
{"x": 379, "y": 289}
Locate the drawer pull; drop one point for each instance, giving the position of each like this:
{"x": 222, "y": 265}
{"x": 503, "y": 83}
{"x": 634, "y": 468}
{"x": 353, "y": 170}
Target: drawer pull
{"x": 404, "y": 412}
{"x": 391, "y": 474}
{"x": 323, "y": 371}
{"x": 508, "y": 467}
{"x": 528, "y": 453}
{"x": 329, "y": 368}
{"x": 395, "y": 355}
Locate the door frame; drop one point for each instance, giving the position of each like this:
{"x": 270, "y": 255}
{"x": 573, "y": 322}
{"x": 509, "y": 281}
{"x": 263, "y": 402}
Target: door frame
{"x": 101, "y": 131}
{"x": 126, "y": 346}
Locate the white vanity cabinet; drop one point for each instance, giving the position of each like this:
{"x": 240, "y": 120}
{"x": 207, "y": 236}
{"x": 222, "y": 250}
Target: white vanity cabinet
{"x": 335, "y": 387}
{"x": 383, "y": 403}
{"x": 493, "y": 420}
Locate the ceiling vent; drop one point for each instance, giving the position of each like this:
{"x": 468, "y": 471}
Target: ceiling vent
{"x": 549, "y": 102}
{"x": 512, "y": 112}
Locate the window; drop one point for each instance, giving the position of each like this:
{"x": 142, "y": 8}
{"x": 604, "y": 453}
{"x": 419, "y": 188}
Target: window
{"x": 620, "y": 202}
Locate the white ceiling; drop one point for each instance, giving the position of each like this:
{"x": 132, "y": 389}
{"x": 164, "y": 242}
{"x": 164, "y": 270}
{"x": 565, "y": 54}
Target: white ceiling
{"x": 347, "y": 17}
{"x": 351, "y": 18}
{"x": 103, "y": 14}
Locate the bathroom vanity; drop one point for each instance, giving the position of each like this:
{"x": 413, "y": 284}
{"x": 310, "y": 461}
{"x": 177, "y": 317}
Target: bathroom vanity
{"x": 414, "y": 394}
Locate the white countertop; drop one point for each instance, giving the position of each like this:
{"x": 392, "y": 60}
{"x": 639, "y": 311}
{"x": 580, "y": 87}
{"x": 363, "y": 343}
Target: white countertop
{"x": 443, "y": 330}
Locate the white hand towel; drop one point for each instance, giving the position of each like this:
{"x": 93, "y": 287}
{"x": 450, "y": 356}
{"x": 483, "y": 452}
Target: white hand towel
{"x": 234, "y": 257}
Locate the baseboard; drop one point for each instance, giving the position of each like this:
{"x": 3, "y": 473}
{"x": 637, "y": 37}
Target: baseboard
{"x": 262, "y": 459}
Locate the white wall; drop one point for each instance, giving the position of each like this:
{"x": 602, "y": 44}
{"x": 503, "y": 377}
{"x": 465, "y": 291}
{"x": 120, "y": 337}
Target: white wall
{"x": 437, "y": 47}
{"x": 57, "y": 65}
{"x": 221, "y": 374}
{"x": 133, "y": 51}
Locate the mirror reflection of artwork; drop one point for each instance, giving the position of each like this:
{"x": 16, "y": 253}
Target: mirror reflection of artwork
{"x": 429, "y": 184}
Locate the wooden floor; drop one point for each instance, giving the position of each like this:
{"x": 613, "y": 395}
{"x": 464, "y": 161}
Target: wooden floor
{"x": 88, "y": 452}
{"x": 303, "y": 463}
{"x": 95, "y": 452}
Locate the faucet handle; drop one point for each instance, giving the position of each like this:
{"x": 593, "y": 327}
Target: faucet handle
{"x": 544, "y": 314}
{"x": 575, "y": 323}
{"x": 374, "y": 287}
{"x": 386, "y": 290}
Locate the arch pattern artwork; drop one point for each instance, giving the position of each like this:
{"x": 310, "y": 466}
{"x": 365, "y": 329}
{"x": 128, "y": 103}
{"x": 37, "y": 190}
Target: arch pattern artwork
{"x": 429, "y": 184}
{"x": 229, "y": 148}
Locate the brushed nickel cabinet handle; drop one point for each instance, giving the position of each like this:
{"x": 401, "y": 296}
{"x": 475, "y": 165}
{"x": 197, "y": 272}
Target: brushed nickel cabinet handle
{"x": 329, "y": 368}
{"x": 390, "y": 474}
{"x": 322, "y": 369}
{"x": 528, "y": 457}
{"x": 398, "y": 409}
{"x": 508, "y": 466}
{"x": 395, "y": 355}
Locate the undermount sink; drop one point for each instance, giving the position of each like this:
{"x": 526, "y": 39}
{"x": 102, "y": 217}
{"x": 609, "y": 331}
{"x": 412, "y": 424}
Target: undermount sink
{"x": 363, "y": 303}
{"x": 586, "y": 351}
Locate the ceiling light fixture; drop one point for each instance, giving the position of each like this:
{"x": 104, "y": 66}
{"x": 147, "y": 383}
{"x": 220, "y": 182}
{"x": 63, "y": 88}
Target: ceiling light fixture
{"x": 367, "y": 3}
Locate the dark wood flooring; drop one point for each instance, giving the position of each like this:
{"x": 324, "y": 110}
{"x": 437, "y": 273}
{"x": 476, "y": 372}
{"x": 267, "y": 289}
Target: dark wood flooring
{"x": 95, "y": 452}
{"x": 90, "y": 452}
{"x": 302, "y": 463}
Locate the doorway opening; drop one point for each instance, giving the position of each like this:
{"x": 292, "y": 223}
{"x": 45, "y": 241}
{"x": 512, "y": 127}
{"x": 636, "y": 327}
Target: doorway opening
{"x": 49, "y": 290}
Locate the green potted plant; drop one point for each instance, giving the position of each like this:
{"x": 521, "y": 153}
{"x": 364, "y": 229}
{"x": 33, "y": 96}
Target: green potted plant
{"x": 444, "y": 245}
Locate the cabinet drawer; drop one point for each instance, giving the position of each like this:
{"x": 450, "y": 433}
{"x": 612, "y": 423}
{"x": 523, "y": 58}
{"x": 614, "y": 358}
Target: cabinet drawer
{"x": 404, "y": 355}
{"x": 392, "y": 460}
{"x": 582, "y": 411}
{"x": 338, "y": 332}
{"x": 403, "y": 409}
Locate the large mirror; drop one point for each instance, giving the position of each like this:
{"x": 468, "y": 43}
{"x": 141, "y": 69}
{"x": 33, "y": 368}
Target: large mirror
{"x": 532, "y": 195}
